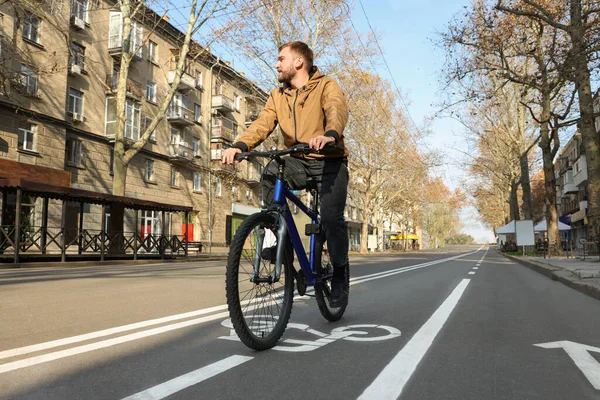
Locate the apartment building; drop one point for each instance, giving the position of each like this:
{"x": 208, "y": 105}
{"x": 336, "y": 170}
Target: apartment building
{"x": 571, "y": 188}
{"x": 60, "y": 66}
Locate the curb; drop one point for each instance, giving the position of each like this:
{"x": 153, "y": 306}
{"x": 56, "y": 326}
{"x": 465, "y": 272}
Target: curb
{"x": 128, "y": 262}
{"x": 563, "y": 276}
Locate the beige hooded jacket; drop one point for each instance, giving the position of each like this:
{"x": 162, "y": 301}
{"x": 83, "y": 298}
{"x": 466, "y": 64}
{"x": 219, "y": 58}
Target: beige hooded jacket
{"x": 317, "y": 108}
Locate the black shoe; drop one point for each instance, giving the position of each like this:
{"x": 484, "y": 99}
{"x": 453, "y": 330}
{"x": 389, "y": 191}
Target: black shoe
{"x": 339, "y": 293}
{"x": 269, "y": 253}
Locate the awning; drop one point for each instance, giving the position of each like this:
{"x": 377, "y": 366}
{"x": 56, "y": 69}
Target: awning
{"x": 84, "y": 196}
{"x": 543, "y": 227}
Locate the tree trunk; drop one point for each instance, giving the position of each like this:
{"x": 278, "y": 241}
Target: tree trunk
{"x": 526, "y": 186}
{"x": 549, "y": 186}
{"x": 513, "y": 202}
{"x": 586, "y": 122}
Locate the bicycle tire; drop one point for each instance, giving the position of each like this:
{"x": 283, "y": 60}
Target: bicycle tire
{"x": 259, "y": 321}
{"x": 323, "y": 287}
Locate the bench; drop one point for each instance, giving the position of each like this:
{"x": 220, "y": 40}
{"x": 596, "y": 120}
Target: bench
{"x": 197, "y": 246}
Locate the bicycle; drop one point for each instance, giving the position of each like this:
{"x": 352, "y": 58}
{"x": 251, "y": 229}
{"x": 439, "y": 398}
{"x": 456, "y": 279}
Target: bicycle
{"x": 260, "y": 272}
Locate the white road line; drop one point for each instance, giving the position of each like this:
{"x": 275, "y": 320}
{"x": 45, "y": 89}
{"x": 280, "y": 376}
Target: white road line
{"x": 393, "y": 378}
{"x": 28, "y": 362}
{"x": 11, "y": 366}
{"x": 192, "y": 378}
{"x": 471, "y": 273}
{"x": 105, "y": 332}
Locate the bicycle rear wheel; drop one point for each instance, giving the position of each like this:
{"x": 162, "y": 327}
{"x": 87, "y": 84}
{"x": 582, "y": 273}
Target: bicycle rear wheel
{"x": 323, "y": 286}
{"x": 259, "y": 311}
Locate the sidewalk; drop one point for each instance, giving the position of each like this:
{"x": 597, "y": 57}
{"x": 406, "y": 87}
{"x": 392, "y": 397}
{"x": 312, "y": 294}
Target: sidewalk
{"x": 583, "y": 276}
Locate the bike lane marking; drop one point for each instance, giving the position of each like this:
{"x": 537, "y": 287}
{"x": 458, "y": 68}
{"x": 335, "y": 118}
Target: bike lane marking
{"x": 392, "y": 379}
{"x": 580, "y": 354}
{"x": 191, "y": 378}
{"x": 28, "y": 362}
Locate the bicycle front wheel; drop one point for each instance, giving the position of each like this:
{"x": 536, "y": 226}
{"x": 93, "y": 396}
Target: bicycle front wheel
{"x": 259, "y": 307}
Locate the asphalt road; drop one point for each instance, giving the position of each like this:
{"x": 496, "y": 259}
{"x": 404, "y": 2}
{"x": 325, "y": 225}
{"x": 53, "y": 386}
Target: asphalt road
{"x": 427, "y": 325}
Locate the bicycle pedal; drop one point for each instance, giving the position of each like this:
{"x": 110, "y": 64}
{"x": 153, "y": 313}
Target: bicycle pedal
{"x": 300, "y": 283}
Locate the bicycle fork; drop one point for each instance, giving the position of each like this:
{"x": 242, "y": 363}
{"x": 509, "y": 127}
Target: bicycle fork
{"x": 282, "y": 234}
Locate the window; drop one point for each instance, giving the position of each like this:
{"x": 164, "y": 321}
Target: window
{"x": 237, "y": 102}
{"x": 175, "y": 136}
{"x": 197, "y": 182}
{"x": 136, "y": 39}
{"x": 218, "y": 187}
{"x": 111, "y": 166}
{"x": 174, "y": 177}
{"x": 151, "y": 91}
{"x": 196, "y": 146}
{"x": 132, "y": 123}
{"x": 199, "y": 84}
{"x": 31, "y": 28}
{"x": 27, "y": 137}
{"x": 235, "y": 193}
{"x": 249, "y": 195}
{"x": 218, "y": 88}
{"x": 110, "y": 119}
{"x": 77, "y": 56}
{"x": 149, "y": 170}
{"x": 79, "y": 9}
{"x": 152, "y": 51}
{"x": 28, "y": 80}
{"x": 115, "y": 32}
{"x": 75, "y": 101}
{"x": 234, "y": 130}
{"x": 147, "y": 122}
{"x": 74, "y": 148}
{"x": 197, "y": 113}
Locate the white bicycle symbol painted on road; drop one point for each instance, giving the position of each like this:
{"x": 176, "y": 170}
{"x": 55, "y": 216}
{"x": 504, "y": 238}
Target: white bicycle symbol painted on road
{"x": 353, "y": 333}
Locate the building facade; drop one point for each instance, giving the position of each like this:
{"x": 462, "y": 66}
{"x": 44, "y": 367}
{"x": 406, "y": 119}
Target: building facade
{"x": 58, "y": 110}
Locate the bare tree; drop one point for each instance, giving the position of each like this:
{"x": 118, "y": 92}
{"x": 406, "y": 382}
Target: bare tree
{"x": 579, "y": 20}
{"x": 324, "y": 25}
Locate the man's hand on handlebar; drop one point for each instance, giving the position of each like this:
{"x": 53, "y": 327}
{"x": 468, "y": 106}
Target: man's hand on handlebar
{"x": 229, "y": 155}
{"x": 319, "y": 142}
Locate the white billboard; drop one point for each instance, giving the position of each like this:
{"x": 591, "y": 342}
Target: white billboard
{"x": 525, "y": 234}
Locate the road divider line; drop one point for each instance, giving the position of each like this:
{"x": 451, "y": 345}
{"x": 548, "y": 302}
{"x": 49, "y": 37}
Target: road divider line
{"x": 471, "y": 273}
{"x": 28, "y": 362}
{"x": 106, "y": 332}
{"x": 191, "y": 378}
{"x": 11, "y": 366}
{"x": 391, "y": 381}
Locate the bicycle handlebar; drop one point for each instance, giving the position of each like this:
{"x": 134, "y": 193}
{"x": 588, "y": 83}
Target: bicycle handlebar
{"x": 297, "y": 148}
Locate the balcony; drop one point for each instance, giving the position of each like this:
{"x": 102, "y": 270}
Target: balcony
{"x": 115, "y": 49}
{"x": 251, "y": 116}
{"x": 570, "y": 188}
{"x": 221, "y": 132}
{"x": 254, "y": 174}
{"x": 180, "y": 153}
{"x": 187, "y": 82}
{"x": 134, "y": 89}
{"x": 179, "y": 115}
{"x": 580, "y": 178}
{"x": 222, "y": 103}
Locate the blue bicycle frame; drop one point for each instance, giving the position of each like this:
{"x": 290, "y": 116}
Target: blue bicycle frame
{"x": 288, "y": 226}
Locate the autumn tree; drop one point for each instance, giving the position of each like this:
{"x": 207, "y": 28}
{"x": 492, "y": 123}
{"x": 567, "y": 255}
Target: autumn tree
{"x": 514, "y": 49}
{"x": 442, "y": 212}
{"x": 579, "y": 20}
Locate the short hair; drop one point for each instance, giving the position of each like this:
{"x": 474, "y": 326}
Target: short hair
{"x": 302, "y": 50}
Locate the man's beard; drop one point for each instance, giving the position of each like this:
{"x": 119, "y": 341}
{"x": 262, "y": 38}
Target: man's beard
{"x": 285, "y": 76}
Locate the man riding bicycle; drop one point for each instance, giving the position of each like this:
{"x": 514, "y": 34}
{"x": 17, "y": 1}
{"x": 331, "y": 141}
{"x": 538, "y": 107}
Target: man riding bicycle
{"x": 309, "y": 108}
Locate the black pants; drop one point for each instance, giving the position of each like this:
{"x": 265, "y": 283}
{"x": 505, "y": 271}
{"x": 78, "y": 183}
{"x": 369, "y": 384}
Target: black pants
{"x": 331, "y": 176}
